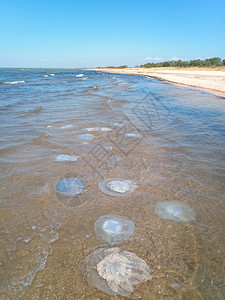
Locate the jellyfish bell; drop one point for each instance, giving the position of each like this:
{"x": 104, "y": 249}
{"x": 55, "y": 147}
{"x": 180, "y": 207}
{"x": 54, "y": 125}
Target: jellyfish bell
{"x": 70, "y": 186}
{"x": 115, "y": 271}
{"x": 133, "y": 135}
{"x": 67, "y": 126}
{"x": 65, "y": 157}
{"x": 117, "y": 187}
{"x": 112, "y": 226}
{"x": 70, "y": 190}
{"x": 118, "y": 124}
{"x": 113, "y": 229}
{"x": 175, "y": 210}
{"x": 98, "y": 129}
{"x": 86, "y": 136}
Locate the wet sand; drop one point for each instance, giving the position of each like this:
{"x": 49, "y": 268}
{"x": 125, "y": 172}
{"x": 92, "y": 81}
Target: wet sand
{"x": 213, "y": 81}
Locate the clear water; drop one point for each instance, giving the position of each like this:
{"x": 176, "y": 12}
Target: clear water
{"x": 180, "y": 157}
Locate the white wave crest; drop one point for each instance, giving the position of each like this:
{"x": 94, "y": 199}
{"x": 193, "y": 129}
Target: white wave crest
{"x": 79, "y": 75}
{"x": 15, "y": 82}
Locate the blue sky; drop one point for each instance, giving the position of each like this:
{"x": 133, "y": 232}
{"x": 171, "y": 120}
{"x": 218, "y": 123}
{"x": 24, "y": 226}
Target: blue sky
{"x": 89, "y": 33}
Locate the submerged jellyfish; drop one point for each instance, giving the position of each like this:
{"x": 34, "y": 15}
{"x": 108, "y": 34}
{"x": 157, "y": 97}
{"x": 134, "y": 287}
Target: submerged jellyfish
{"x": 175, "y": 210}
{"x": 70, "y": 186}
{"x": 67, "y": 126}
{"x": 115, "y": 187}
{"x": 133, "y": 135}
{"x": 113, "y": 229}
{"x": 118, "y": 124}
{"x": 98, "y": 129}
{"x": 65, "y": 157}
{"x": 87, "y": 136}
{"x": 115, "y": 271}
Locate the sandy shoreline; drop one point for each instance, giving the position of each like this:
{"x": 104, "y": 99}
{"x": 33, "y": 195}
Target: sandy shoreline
{"x": 212, "y": 81}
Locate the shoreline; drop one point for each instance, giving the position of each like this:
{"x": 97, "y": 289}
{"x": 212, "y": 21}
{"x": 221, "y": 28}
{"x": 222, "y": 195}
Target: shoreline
{"x": 208, "y": 80}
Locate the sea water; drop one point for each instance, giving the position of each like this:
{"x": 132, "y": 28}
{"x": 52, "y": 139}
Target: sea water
{"x": 175, "y": 153}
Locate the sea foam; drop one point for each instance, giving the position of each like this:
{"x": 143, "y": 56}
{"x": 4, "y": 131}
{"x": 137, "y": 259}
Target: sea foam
{"x": 14, "y": 82}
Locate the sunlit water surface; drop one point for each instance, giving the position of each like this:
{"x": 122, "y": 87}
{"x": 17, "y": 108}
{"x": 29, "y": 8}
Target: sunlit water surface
{"x": 170, "y": 140}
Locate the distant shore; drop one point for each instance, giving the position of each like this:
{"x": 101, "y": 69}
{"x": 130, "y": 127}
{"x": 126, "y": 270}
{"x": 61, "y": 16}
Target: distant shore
{"x": 210, "y": 80}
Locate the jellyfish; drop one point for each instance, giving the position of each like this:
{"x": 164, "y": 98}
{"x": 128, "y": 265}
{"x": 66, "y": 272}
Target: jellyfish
{"x": 113, "y": 229}
{"x": 115, "y": 271}
{"x": 87, "y": 136}
{"x": 175, "y": 210}
{"x": 70, "y": 186}
{"x": 67, "y": 126}
{"x": 98, "y": 129}
{"x": 118, "y": 124}
{"x": 116, "y": 187}
{"x": 133, "y": 135}
{"x": 65, "y": 157}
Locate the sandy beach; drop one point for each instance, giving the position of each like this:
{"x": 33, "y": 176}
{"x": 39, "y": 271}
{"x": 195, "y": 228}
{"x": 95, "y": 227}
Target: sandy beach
{"x": 210, "y": 80}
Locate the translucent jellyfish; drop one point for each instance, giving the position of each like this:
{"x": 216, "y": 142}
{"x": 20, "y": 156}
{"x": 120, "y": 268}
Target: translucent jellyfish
{"x": 133, "y": 135}
{"x": 115, "y": 271}
{"x": 116, "y": 187}
{"x": 87, "y": 136}
{"x": 67, "y": 126}
{"x": 113, "y": 229}
{"x": 118, "y": 124}
{"x": 98, "y": 129}
{"x": 175, "y": 210}
{"x": 65, "y": 157}
{"x": 70, "y": 186}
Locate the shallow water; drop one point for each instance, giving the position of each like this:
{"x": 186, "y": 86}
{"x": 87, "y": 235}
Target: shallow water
{"x": 175, "y": 152}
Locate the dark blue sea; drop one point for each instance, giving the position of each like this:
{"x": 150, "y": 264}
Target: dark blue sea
{"x": 170, "y": 140}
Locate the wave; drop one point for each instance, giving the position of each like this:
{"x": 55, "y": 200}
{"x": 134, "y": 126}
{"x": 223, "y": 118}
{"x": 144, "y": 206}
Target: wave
{"x": 12, "y": 82}
{"x": 6, "y": 107}
{"x": 79, "y": 75}
{"x": 48, "y": 83}
{"x": 36, "y": 110}
{"x": 45, "y": 75}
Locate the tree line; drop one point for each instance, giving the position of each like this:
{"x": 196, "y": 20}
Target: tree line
{"x": 209, "y": 62}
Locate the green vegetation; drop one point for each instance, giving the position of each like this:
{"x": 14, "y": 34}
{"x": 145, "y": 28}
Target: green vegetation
{"x": 209, "y": 62}
{"x": 120, "y": 67}
{"x": 123, "y": 67}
